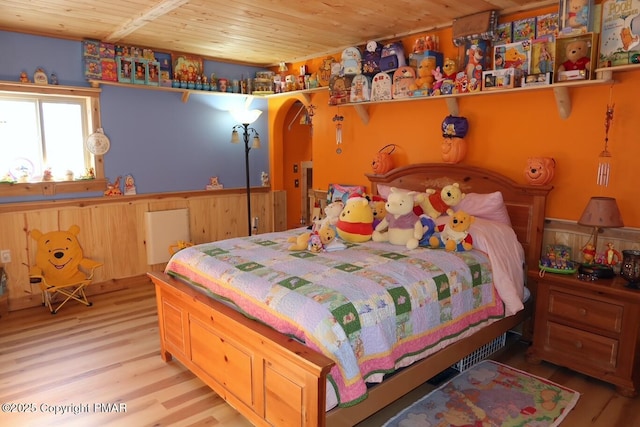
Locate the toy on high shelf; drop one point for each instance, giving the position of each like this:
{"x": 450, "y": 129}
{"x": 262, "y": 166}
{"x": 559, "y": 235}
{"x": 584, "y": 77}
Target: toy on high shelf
{"x": 620, "y": 33}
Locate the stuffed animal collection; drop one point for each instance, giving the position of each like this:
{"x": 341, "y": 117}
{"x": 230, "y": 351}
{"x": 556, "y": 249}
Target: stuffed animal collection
{"x": 59, "y": 257}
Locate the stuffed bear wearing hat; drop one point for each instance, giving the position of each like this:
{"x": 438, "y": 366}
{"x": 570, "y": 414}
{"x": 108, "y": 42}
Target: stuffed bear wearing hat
{"x": 59, "y": 257}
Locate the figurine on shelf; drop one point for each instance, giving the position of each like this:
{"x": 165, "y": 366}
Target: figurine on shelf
{"x": 589, "y": 254}
{"x": 129, "y": 185}
{"x": 611, "y": 256}
{"x": 47, "y": 175}
{"x": 113, "y": 189}
{"x": 54, "y": 79}
{"x": 24, "y": 77}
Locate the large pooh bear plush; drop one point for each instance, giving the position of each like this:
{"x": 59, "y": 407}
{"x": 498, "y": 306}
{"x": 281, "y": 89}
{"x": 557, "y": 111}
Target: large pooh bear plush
{"x": 355, "y": 223}
{"x": 59, "y": 257}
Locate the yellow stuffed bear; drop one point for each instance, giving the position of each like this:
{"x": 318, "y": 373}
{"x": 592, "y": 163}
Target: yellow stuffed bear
{"x": 355, "y": 223}
{"x": 454, "y": 236}
{"x": 435, "y": 203}
{"x": 59, "y": 257}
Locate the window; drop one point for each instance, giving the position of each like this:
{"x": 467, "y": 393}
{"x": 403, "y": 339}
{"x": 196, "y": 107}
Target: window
{"x": 42, "y": 135}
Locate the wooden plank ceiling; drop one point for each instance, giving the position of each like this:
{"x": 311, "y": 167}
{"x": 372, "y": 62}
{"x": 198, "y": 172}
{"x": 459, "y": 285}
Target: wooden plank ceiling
{"x": 260, "y": 32}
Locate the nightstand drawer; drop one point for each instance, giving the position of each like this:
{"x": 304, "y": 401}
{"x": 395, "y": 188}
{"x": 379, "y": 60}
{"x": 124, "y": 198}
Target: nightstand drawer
{"x": 592, "y": 349}
{"x": 589, "y": 312}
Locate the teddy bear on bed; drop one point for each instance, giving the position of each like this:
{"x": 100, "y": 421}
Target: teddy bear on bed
{"x": 400, "y": 226}
{"x": 331, "y": 215}
{"x": 435, "y": 203}
{"x": 454, "y": 236}
{"x": 313, "y": 241}
{"x": 355, "y": 223}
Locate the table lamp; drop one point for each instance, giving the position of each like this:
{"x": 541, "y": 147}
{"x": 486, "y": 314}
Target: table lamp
{"x": 600, "y": 212}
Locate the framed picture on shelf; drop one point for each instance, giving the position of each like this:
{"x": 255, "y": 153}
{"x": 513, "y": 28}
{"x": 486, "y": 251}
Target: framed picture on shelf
{"x": 140, "y": 71}
{"x": 153, "y": 73}
{"x": 125, "y": 66}
{"x": 575, "y": 17}
{"x": 187, "y": 67}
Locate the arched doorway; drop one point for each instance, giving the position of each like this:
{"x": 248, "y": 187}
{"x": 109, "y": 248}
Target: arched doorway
{"x": 297, "y": 164}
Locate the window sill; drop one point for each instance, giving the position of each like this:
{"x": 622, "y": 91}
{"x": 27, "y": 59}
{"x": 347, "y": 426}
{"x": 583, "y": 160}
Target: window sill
{"x": 52, "y": 188}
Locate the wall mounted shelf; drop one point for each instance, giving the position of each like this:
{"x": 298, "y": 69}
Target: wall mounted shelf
{"x": 607, "y": 73}
{"x": 56, "y": 90}
{"x": 560, "y": 91}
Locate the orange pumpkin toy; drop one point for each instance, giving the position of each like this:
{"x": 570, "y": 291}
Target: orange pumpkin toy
{"x": 454, "y": 146}
{"x": 540, "y": 170}
{"x": 382, "y": 161}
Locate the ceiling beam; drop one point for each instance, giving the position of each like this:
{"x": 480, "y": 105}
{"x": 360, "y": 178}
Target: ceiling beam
{"x": 149, "y": 15}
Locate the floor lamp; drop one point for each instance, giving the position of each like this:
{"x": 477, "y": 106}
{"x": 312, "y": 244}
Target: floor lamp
{"x": 246, "y": 117}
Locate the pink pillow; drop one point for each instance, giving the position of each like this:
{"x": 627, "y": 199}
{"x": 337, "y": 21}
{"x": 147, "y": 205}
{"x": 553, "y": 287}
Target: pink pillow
{"x": 488, "y": 206}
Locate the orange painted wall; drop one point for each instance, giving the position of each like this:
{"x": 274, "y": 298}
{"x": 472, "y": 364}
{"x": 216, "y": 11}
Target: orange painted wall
{"x": 504, "y": 130}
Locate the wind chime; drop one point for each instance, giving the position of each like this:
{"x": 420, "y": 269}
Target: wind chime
{"x": 604, "y": 160}
{"x": 309, "y": 117}
{"x": 337, "y": 119}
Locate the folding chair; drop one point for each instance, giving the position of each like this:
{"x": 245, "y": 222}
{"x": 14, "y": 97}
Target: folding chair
{"x": 71, "y": 291}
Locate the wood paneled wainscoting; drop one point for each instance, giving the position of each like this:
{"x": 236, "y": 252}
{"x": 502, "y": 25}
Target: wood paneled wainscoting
{"x": 112, "y": 231}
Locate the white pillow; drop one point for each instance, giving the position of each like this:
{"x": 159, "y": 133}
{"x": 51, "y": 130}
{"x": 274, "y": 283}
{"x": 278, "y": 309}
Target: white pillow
{"x": 488, "y": 206}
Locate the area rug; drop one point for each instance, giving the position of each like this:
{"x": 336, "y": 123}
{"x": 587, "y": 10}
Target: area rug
{"x": 490, "y": 394}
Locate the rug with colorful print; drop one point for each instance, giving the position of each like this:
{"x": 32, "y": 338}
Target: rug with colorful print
{"x": 490, "y": 394}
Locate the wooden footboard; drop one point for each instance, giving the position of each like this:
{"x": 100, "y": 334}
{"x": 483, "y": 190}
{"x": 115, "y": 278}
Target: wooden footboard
{"x": 269, "y": 378}
{"x": 272, "y": 379}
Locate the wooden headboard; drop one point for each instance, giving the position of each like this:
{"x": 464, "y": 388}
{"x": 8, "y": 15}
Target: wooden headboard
{"x": 525, "y": 203}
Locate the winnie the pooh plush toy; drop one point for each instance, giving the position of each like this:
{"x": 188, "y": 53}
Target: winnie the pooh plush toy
{"x": 378, "y": 207}
{"x": 59, "y": 257}
{"x": 577, "y": 57}
{"x": 400, "y": 226}
{"x": 435, "y": 203}
{"x": 355, "y": 224}
{"x": 454, "y": 236}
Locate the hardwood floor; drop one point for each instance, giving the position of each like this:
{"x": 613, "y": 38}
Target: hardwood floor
{"x": 103, "y": 362}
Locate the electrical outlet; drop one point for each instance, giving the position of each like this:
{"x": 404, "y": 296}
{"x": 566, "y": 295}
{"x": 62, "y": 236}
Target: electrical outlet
{"x": 5, "y": 256}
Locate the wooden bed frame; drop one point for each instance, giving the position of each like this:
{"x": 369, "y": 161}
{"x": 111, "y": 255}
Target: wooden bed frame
{"x": 274, "y": 380}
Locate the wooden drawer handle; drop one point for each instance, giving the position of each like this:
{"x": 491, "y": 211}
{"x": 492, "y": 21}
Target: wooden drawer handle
{"x": 583, "y": 311}
{"x": 578, "y": 344}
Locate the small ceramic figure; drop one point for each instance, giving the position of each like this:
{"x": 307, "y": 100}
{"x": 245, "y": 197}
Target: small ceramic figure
{"x": 129, "y": 185}
{"x": 54, "y": 79}
{"x": 24, "y": 77}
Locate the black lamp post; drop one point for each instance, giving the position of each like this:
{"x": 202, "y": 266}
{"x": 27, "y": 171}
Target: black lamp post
{"x": 246, "y": 117}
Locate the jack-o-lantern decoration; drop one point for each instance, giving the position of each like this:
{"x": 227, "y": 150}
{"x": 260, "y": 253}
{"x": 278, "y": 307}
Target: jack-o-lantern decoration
{"x": 453, "y": 150}
{"x": 382, "y": 161}
{"x": 540, "y": 170}
{"x": 454, "y": 146}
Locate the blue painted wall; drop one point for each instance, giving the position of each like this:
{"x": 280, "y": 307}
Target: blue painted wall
{"x": 167, "y": 145}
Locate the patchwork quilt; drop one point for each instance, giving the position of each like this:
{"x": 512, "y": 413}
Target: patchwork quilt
{"x": 370, "y": 307}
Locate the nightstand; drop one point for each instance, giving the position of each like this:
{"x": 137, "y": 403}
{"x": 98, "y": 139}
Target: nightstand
{"x": 590, "y": 327}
